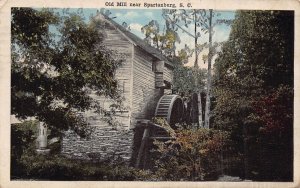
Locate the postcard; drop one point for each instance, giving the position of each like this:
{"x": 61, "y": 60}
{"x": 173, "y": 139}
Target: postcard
{"x": 149, "y": 93}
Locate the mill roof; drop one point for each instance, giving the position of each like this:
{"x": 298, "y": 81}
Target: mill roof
{"x": 138, "y": 41}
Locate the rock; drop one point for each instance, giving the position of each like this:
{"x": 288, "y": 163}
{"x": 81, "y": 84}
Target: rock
{"x": 53, "y": 140}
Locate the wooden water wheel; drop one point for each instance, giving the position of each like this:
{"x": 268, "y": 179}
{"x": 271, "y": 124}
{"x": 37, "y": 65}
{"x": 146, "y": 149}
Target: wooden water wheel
{"x": 170, "y": 107}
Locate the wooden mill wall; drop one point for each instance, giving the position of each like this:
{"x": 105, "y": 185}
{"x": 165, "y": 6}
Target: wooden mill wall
{"x": 107, "y": 141}
{"x": 119, "y": 43}
{"x": 145, "y": 95}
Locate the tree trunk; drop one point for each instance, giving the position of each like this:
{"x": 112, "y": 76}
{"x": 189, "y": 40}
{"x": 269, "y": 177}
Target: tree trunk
{"x": 196, "y": 41}
{"x": 200, "y": 109}
{"x": 196, "y": 67}
{"x": 208, "y": 89}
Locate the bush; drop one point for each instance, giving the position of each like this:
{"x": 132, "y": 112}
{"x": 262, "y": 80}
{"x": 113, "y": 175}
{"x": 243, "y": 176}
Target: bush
{"x": 58, "y": 167}
{"x": 193, "y": 155}
{"x": 22, "y": 137}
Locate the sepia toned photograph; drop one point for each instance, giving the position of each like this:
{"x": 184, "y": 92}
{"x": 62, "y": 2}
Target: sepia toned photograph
{"x": 158, "y": 93}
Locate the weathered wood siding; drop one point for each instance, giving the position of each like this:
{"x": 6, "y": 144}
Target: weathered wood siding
{"x": 106, "y": 140}
{"x": 117, "y": 42}
{"x": 168, "y": 74}
{"x": 145, "y": 95}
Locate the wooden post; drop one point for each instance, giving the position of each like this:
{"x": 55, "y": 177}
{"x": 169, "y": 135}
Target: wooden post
{"x": 143, "y": 143}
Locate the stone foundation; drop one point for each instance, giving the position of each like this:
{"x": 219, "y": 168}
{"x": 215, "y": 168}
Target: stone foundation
{"x": 104, "y": 143}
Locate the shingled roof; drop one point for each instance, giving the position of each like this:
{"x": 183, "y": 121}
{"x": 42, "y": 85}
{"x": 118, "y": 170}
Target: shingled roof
{"x": 138, "y": 41}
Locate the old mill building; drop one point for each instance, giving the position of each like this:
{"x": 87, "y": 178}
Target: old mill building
{"x": 145, "y": 79}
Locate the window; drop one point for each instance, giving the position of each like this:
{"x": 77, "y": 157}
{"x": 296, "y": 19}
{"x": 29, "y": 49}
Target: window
{"x": 154, "y": 67}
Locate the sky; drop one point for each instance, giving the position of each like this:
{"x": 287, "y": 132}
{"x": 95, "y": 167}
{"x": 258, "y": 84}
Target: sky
{"x": 137, "y": 18}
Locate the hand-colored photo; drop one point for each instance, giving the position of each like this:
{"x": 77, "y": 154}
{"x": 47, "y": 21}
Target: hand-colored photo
{"x": 152, "y": 94}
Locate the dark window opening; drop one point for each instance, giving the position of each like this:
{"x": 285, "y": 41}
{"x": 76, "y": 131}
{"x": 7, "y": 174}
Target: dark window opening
{"x": 154, "y": 67}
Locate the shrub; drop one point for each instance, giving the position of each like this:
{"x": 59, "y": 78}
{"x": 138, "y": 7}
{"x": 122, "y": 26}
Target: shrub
{"x": 194, "y": 154}
{"x": 22, "y": 137}
{"x": 58, "y": 167}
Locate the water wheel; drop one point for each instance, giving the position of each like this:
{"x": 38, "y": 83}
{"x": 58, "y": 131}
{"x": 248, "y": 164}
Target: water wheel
{"x": 170, "y": 107}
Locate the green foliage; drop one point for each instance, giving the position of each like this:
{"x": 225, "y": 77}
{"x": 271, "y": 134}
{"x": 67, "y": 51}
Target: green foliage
{"x": 185, "y": 78}
{"x": 56, "y": 61}
{"x": 254, "y": 92}
{"x": 22, "y": 138}
{"x": 151, "y": 31}
{"x": 261, "y": 51}
{"x": 165, "y": 42}
{"x": 57, "y": 167}
{"x": 193, "y": 155}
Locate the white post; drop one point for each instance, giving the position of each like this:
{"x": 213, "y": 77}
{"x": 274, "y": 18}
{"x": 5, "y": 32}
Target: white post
{"x": 42, "y": 139}
{"x": 42, "y": 135}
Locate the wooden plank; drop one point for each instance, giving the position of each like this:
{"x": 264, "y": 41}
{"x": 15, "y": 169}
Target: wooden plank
{"x": 141, "y": 149}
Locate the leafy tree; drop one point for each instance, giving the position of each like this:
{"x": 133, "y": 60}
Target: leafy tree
{"x": 203, "y": 22}
{"x": 162, "y": 40}
{"x": 254, "y": 92}
{"x": 152, "y": 35}
{"x": 56, "y": 62}
{"x": 184, "y": 79}
{"x": 176, "y": 18}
